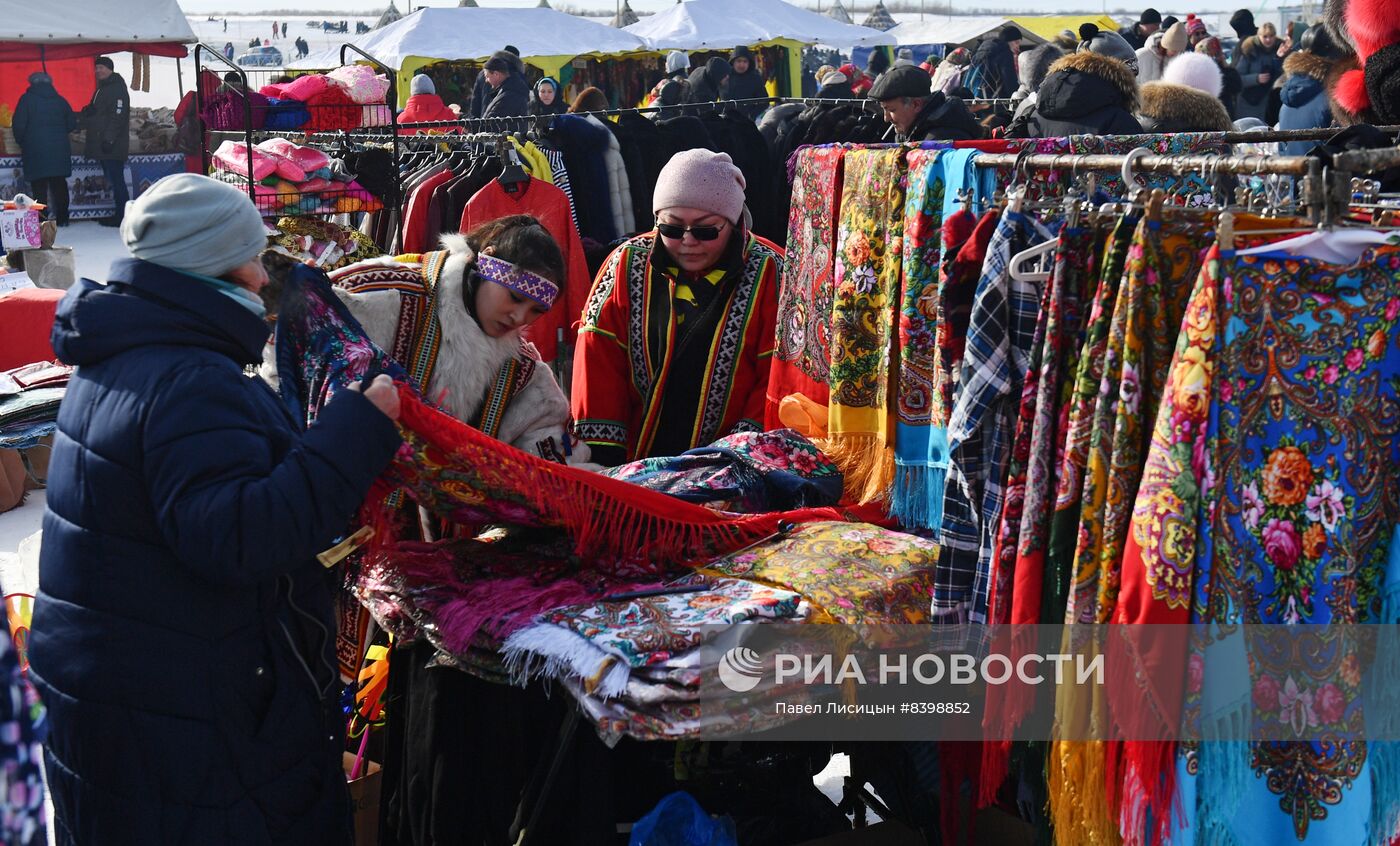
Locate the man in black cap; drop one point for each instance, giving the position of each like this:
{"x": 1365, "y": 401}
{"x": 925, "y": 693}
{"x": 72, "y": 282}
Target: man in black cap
{"x": 917, "y": 113}
{"x": 994, "y": 65}
{"x": 483, "y": 92}
{"x": 1148, "y": 22}
{"x": 107, "y": 121}
{"x": 510, "y": 95}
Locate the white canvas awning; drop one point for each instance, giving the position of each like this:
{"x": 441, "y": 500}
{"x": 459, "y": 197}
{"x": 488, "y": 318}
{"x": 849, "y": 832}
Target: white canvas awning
{"x": 81, "y": 21}
{"x": 725, "y": 24}
{"x": 465, "y": 33}
{"x": 952, "y": 29}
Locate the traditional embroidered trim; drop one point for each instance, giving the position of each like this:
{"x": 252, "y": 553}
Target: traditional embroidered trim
{"x": 726, "y": 355}
{"x": 529, "y": 285}
{"x": 407, "y": 281}
{"x": 602, "y": 432}
{"x": 638, "y": 274}
{"x": 507, "y": 384}
{"x": 423, "y": 359}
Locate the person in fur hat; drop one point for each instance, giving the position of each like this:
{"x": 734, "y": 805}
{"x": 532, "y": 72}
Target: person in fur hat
{"x": 1304, "y": 93}
{"x": 491, "y": 284}
{"x": 1092, "y": 92}
{"x": 1186, "y": 99}
{"x": 1365, "y": 87}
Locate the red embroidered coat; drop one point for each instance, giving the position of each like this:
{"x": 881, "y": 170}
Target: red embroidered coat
{"x": 626, "y": 349}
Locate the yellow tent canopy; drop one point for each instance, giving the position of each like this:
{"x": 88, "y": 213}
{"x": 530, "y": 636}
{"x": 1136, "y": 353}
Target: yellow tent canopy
{"x": 1048, "y": 26}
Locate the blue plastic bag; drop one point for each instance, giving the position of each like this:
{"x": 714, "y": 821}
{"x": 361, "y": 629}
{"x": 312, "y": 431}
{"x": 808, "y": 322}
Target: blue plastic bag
{"x": 678, "y": 820}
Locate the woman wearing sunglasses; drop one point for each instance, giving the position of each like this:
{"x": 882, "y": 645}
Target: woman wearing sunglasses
{"x": 677, "y": 334}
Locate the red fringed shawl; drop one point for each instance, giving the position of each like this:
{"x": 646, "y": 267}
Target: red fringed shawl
{"x": 460, "y": 474}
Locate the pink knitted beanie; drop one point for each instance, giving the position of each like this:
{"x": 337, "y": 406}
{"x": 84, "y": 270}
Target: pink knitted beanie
{"x": 700, "y": 179}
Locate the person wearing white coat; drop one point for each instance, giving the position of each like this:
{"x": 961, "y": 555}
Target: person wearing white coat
{"x": 1161, "y": 48}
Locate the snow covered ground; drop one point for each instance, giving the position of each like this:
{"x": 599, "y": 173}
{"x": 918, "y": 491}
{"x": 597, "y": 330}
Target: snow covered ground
{"x": 165, "y": 80}
{"x": 94, "y": 247}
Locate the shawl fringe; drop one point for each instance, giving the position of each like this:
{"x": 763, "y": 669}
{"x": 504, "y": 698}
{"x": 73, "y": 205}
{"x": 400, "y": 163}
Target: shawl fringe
{"x": 549, "y": 651}
{"x": 867, "y": 463}
{"x": 1079, "y": 808}
{"x": 917, "y": 497}
{"x": 605, "y": 517}
{"x": 1385, "y": 791}
{"x": 1224, "y": 777}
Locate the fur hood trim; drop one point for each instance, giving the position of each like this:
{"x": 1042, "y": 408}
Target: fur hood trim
{"x": 1250, "y": 46}
{"x": 1307, "y": 64}
{"x": 1111, "y": 70}
{"x": 1180, "y": 108}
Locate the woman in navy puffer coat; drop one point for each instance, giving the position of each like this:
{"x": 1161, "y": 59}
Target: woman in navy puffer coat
{"x": 182, "y": 635}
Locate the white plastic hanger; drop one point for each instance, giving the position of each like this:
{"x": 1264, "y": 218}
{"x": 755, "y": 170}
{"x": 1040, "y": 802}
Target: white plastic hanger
{"x": 1335, "y": 246}
{"x": 1020, "y": 263}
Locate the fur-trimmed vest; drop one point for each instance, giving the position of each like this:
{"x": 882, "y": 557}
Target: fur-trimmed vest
{"x": 468, "y": 362}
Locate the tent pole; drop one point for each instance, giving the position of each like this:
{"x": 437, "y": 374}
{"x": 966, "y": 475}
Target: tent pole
{"x": 180, "y": 76}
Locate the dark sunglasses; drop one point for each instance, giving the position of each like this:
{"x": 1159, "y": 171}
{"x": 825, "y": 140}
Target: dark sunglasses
{"x": 677, "y": 232}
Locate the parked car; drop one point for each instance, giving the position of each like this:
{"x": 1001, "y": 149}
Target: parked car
{"x": 261, "y": 57}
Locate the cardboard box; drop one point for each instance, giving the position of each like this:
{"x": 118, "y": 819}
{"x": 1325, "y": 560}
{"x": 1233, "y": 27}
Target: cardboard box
{"x": 364, "y": 796}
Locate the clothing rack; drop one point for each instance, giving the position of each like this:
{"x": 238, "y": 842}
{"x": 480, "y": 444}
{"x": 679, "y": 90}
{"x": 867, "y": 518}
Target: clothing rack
{"x": 322, "y": 139}
{"x": 201, "y": 52}
{"x": 1325, "y": 190}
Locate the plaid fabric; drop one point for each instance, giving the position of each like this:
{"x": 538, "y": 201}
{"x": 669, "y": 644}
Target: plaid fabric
{"x": 979, "y": 433}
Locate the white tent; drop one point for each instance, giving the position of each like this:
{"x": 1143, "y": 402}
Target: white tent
{"x": 390, "y": 15}
{"x": 625, "y": 17}
{"x": 837, "y": 12}
{"x": 82, "y": 21}
{"x": 725, "y": 24}
{"x": 954, "y": 29}
{"x": 879, "y": 18}
{"x": 435, "y": 34}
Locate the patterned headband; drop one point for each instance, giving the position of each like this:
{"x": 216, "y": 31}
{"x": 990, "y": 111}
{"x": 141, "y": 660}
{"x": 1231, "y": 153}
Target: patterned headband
{"x": 518, "y": 279}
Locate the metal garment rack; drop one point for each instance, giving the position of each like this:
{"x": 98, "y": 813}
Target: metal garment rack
{"x": 713, "y": 105}
{"x": 202, "y": 50}
{"x": 342, "y": 136}
{"x": 1325, "y": 190}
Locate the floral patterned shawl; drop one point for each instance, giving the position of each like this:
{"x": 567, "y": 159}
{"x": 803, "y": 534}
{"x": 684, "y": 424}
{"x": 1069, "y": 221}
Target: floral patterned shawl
{"x": 1254, "y": 509}
{"x": 802, "y": 356}
{"x": 868, "y": 269}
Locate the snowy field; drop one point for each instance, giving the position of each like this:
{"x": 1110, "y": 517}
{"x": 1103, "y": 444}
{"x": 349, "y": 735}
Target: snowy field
{"x": 165, "y": 80}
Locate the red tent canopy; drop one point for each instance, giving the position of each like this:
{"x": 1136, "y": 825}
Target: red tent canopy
{"x": 70, "y": 65}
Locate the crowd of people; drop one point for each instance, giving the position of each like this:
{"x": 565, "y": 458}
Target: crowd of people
{"x": 171, "y": 463}
{"x": 1160, "y": 74}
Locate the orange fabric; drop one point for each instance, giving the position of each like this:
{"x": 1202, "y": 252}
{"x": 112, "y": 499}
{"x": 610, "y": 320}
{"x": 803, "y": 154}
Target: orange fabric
{"x": 27, "y": 316}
